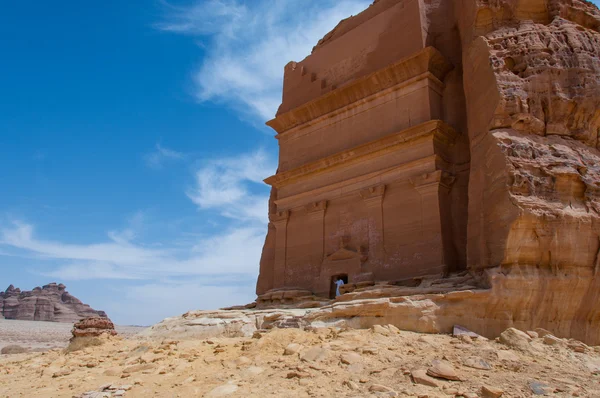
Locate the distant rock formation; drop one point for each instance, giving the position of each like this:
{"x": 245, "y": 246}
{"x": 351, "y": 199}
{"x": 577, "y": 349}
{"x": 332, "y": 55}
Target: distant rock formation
{"x": 49, "y": 303}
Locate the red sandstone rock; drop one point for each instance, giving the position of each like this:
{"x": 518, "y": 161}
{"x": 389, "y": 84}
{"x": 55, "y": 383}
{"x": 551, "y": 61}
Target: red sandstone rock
{"x": 49, "y": 303}
{"x": 429, "y": 137}
{"x": 93, "y": 327}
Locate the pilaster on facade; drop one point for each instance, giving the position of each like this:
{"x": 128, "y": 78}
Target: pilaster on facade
{"x": 280, "y": 221}
{"x": 373, "y": 196}
{"x": 279, "y": 217}
{"x": 316, "y": 209}
{"x": 430, "y": 183}
{"x": 315, "y": 212}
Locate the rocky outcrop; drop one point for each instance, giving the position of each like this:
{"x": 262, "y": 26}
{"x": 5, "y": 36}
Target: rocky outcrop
{"x": 521, "y": 94}
{"x": 48, "y": 303}
{"x": 427, "y": 305}
{"x": 93, "y": 327}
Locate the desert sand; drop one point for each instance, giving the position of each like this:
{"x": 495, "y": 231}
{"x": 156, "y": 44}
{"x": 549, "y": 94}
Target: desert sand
{"x": 324, "y": 362}
{"x": 41, "y": 336}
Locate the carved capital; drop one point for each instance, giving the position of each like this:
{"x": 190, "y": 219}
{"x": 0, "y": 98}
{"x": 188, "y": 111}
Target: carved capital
{"x": 316, "y": 206}
{"x": 373, "y": 192}
{"x": 447, "y": 180}
{"x": 279, "y": 216}
{"x": 428, "y": 181}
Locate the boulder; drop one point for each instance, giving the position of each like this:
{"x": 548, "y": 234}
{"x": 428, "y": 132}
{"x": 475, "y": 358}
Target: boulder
{"x": 442, "y": 370}
{"x": 515, "y": 338}
{"x": 93, "y": 327}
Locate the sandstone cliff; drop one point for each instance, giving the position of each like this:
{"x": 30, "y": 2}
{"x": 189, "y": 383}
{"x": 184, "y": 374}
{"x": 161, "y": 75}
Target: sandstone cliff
{"x": 523, "y": 214}
{"x": 49, "y": 303}
{"x": 532, "y": 88}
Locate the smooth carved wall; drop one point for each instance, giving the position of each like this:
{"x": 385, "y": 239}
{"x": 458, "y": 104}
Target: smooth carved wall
{"x": 368, "y": 171}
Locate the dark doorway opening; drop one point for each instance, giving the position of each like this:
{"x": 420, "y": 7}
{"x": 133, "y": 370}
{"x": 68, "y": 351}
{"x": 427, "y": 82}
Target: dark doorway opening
{"x": 332, "y": 289}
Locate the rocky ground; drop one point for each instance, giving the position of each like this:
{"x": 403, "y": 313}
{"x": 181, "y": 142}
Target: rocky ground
{"x": 323, "y": 362}
{"x": 41, "y": 336}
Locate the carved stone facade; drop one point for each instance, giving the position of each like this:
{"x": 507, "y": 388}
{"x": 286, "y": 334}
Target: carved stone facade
{"x": 367, "y": 164}
{"x": 423, "y": 137}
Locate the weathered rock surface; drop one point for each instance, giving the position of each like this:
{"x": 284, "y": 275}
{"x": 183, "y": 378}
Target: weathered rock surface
{"x": 248, "y": 367}
{"x": 93, "y": 327}
{"x": 514, "y": 199}
{"x": 51, "y": 303}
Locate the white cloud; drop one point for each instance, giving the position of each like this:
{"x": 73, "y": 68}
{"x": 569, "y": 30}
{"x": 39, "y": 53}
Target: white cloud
{"x": 247, "y": 44}
{"x": 235, "y": 251}
{"x": 227, "y": 185}
{"x": 161, "y": 155}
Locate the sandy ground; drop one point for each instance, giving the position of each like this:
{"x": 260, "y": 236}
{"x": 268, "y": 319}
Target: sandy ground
{"x": 380, "y": 362}
{"x": 44, "y": 335}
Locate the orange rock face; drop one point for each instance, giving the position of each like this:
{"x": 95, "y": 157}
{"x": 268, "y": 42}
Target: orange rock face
{"x": 425, "y": 137}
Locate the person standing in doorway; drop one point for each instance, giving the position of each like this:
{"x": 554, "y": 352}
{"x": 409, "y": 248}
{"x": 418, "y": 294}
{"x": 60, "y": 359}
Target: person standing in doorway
{"x": 338, "y": 282}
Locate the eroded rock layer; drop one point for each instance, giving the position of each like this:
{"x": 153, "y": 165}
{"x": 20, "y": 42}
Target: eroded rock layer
{"x": 51, "y": 303}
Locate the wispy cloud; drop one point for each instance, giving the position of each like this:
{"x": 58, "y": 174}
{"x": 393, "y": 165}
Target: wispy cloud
{"x": 157, "y": 158}
{"x": 235, "y": 251}
{"x": 229, "y": 186}
{"x": 246, "y": 44}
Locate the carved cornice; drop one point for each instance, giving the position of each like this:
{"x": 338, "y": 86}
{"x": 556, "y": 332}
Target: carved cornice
{"x": 436, "y": 178}
{"x": 316, "y": 206}
{"x": 389, "y": 143}
{"x": 338, "y": 189}
{"x": 429, "y": 60}
{"x": 279, "y": 216}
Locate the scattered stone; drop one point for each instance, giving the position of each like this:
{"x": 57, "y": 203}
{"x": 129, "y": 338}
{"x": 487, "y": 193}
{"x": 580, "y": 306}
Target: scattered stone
{"x": 542, "y": 332}
{"x": 370, "y": 350}
{"x": 462, "y": 331}
{"x": 505, "y": 355}
{"x": 139, "y": 368}
{"x": 355, "y": 368}
{"x": 112, "y": 372}
{"x": 465, "y": 339}
{"x": 383, "y": 389}
{"x": 420, "y": 376}
{"x": 292, "y": 349}
{"x": 516, "y": 339}
{"x": 381, "y": 330}
{"x": 253, "y": 371}
{"x": 578, "y": 346}
{"x": 350, "y": 358}
{"x": 477, "y": 363}
{"x": 315, "y": 354}
{"x": 552, "y": 340}
{"x": 491, "y": 392}
{"x": 593, "y": 366}
{"x": 539, "y": 388}
{"x": 61, "y": 373}
{"x": 351, "y": 385}
{"x": 393, "y": 329}
{"x": 443, "y": 370}
{"x": 242, "y": 361}
{"x": 13, "y": 349}
{"x": 222, "y": 391}
{"x": 298, "y": 374}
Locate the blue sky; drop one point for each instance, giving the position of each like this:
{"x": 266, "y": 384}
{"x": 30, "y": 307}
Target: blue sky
{"x": 133, "y": 145}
